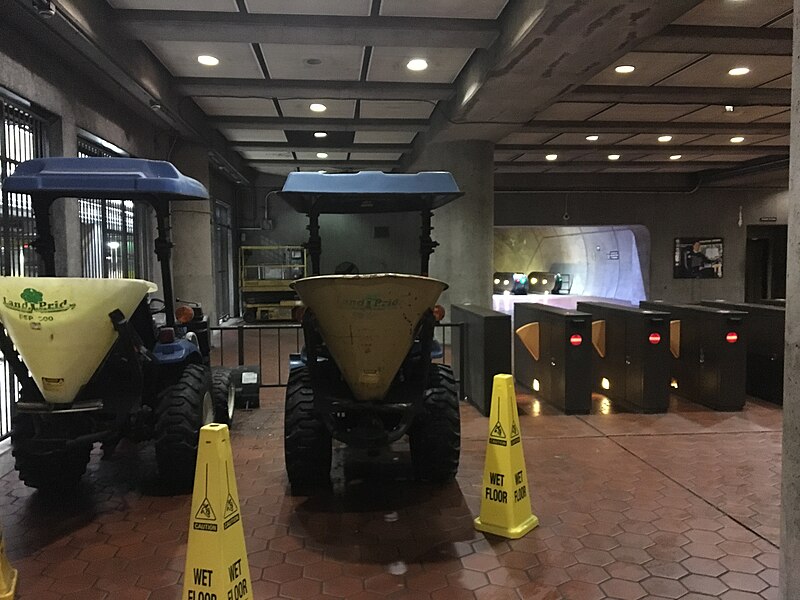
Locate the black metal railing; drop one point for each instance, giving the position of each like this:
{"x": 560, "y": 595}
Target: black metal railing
{"x": 268, "y": 346}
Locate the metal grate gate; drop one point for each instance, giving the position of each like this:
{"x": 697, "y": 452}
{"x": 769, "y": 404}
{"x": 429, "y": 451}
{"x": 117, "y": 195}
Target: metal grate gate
{"x": 112, "y": 231}
{"x": 22, "y": 137}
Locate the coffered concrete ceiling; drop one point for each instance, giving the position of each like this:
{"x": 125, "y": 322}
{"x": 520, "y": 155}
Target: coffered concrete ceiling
{"x": 537, "y": 77}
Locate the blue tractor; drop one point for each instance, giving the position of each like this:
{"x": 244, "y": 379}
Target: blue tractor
{"x": 99, "y": 360}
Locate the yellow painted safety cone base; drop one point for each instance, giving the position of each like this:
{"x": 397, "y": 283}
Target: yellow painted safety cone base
{"x": 8, "y": 575}
{"x": 216, "y": 558}
{"x": 505, "y": 495}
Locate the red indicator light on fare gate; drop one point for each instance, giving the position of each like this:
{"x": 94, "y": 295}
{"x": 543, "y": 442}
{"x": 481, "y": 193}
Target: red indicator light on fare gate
{"x": 575, "y": 339}
{"x": 732, "y": 337}
{"x": 655, "y": 338}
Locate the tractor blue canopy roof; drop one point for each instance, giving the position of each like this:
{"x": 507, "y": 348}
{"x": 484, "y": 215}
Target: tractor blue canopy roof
{"x": 119, "y": 178}
{"x": 368, "y": 192}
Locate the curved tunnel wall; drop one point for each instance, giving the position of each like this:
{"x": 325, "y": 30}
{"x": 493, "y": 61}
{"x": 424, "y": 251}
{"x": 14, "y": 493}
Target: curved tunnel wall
{"x": 607, "y": 262}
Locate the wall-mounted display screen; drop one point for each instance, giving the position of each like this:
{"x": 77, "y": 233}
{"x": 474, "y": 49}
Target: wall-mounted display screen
{"x": 698, "y": 258}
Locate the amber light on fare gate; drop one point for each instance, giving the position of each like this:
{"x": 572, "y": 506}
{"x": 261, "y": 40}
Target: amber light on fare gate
{"x": 732, "y": 337}
{"x": 655, "y": 338}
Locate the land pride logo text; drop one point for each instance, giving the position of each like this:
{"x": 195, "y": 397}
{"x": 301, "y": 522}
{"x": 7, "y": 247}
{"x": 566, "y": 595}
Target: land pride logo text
{"x": 370, "y": 302}
{"x": 33, "y": 302}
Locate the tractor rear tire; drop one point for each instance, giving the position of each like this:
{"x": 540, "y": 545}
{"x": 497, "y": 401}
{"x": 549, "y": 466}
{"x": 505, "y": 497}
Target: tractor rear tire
{"x": 49, "y": 470}
{"x": 223, "y": 394}
{"x": 306, "y": 440}
{"x": 435, "y": 436}
{"x": 183, "y": 409}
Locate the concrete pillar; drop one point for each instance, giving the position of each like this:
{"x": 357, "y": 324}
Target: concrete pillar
{"x": 62, "y": 137}
{"x": 464, "y": 228}
{"x": 192, "y": 256}
{"x": 790, "y": 477}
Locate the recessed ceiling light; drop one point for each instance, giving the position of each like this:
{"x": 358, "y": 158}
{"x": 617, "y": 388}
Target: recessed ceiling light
{"x": 322, "y": 155}
{"x": 613, "y": 157}
{"x": 320, "y": 134}
{"x": 675, "y": 157}
{"x": 552, "y": 157}
{"x": 737, "y": 140}
{"x": 417, "y": 64}
{"x": 625, "y": 69}
{"x": 665, "y": 138}
{"x": 317, "y": 107}
{"x": 209, "y": 61}
{"x": 729, "y": 108}
{"x": 592, "y": 138}
{"x": 739, "y": 71}
{"x": 313, "y": 62}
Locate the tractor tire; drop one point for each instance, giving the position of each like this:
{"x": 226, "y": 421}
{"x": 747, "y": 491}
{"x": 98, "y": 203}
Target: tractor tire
{"x": 306, "y": 440}
{"x": 223, "y": 395}
{"x": 50, "y": 471}
{"x": 183, "y": 409}
{"x": 435, "y": 436}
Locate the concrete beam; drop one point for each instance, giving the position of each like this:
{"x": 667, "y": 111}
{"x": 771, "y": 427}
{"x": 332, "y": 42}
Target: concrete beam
{"x": 728, "y": 150}
{"x": 312, "y": 124}
{"x": 769, "y": 41}
{"x": 313, "y": 90}
{"x": 634, "y": 127}
{"x": 699, "y": 165}
{"x": 353, "y": 165}
{"x": 281, "y": 146}
{"x": 515, "y": 182}
{"x": 301, "y": 29}
{"x": 657, "y": 94}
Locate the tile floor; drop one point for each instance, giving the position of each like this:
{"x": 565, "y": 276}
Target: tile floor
{"x": 683, "y": 505}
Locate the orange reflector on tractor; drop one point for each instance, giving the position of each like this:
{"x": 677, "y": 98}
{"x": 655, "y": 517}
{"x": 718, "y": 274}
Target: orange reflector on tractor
{"x": 575, "y": 339}
{"x": 438, "y": 313}
{"x": 655, "y": 338}
{"x": 732, "y": 337}
{"x": 184, "y": 314}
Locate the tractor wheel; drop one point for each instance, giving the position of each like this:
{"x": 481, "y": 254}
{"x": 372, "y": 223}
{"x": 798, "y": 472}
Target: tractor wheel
{"x": 306, "y": 440}
{"x": 223, "y": 394}
{"x": 48, "y": 470}
{"x": 435, "y": 436}
{"x": 183, "y": 409}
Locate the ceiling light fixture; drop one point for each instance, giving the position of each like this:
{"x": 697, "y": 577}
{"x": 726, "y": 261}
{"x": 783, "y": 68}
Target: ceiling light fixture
{"x": 738, "y": 71}
{"x": 729, "y": 108}
{"x": 208, "y": 60}
{"x": 625, "y": 69}
{"x": 613, "y": 157}
{"x": 665, "y": 138}
{"x": 322, "y": 155}
{"x": 317, "y": 107}
{"x": 592, "y": 138}
{"x": 417, "y": 64}
{"x": 676, "y": 157}
{"x": 737, "y": 140}
{"x": 320, "y": 134}
{"x": 552, "y": 157}
{"x": 313, "y": 62}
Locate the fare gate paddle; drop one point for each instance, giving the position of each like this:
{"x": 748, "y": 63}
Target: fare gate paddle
{"x": 216, "y": 557}
{"x": 505, "y": 495}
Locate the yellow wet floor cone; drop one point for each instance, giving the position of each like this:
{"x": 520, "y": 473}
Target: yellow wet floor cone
{"x": 216, "y": 557}
{"x": 505, "y": 495}
{"x": 8, "y": 575}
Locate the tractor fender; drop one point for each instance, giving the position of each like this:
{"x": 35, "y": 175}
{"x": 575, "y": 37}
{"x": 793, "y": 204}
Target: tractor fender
{"x": 175, "y": 352}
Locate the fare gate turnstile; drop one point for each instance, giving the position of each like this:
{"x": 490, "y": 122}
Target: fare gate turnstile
{"x": 708, "y": 350}
{"x": 765, "y": 338}
{"x": 552, "y": 355}
{"x": 631, "y": 357}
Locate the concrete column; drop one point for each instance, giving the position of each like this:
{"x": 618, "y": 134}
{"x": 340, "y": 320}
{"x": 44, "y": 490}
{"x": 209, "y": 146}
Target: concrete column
{"x": 62, "y": 138}
{"x": 192, "y": 256}
{"x": 790, "y": 477}
{"x": 465, "y": 227}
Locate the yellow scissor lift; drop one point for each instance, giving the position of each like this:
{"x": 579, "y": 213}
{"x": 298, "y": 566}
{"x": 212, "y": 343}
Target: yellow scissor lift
{"x": 265, "y": 276}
